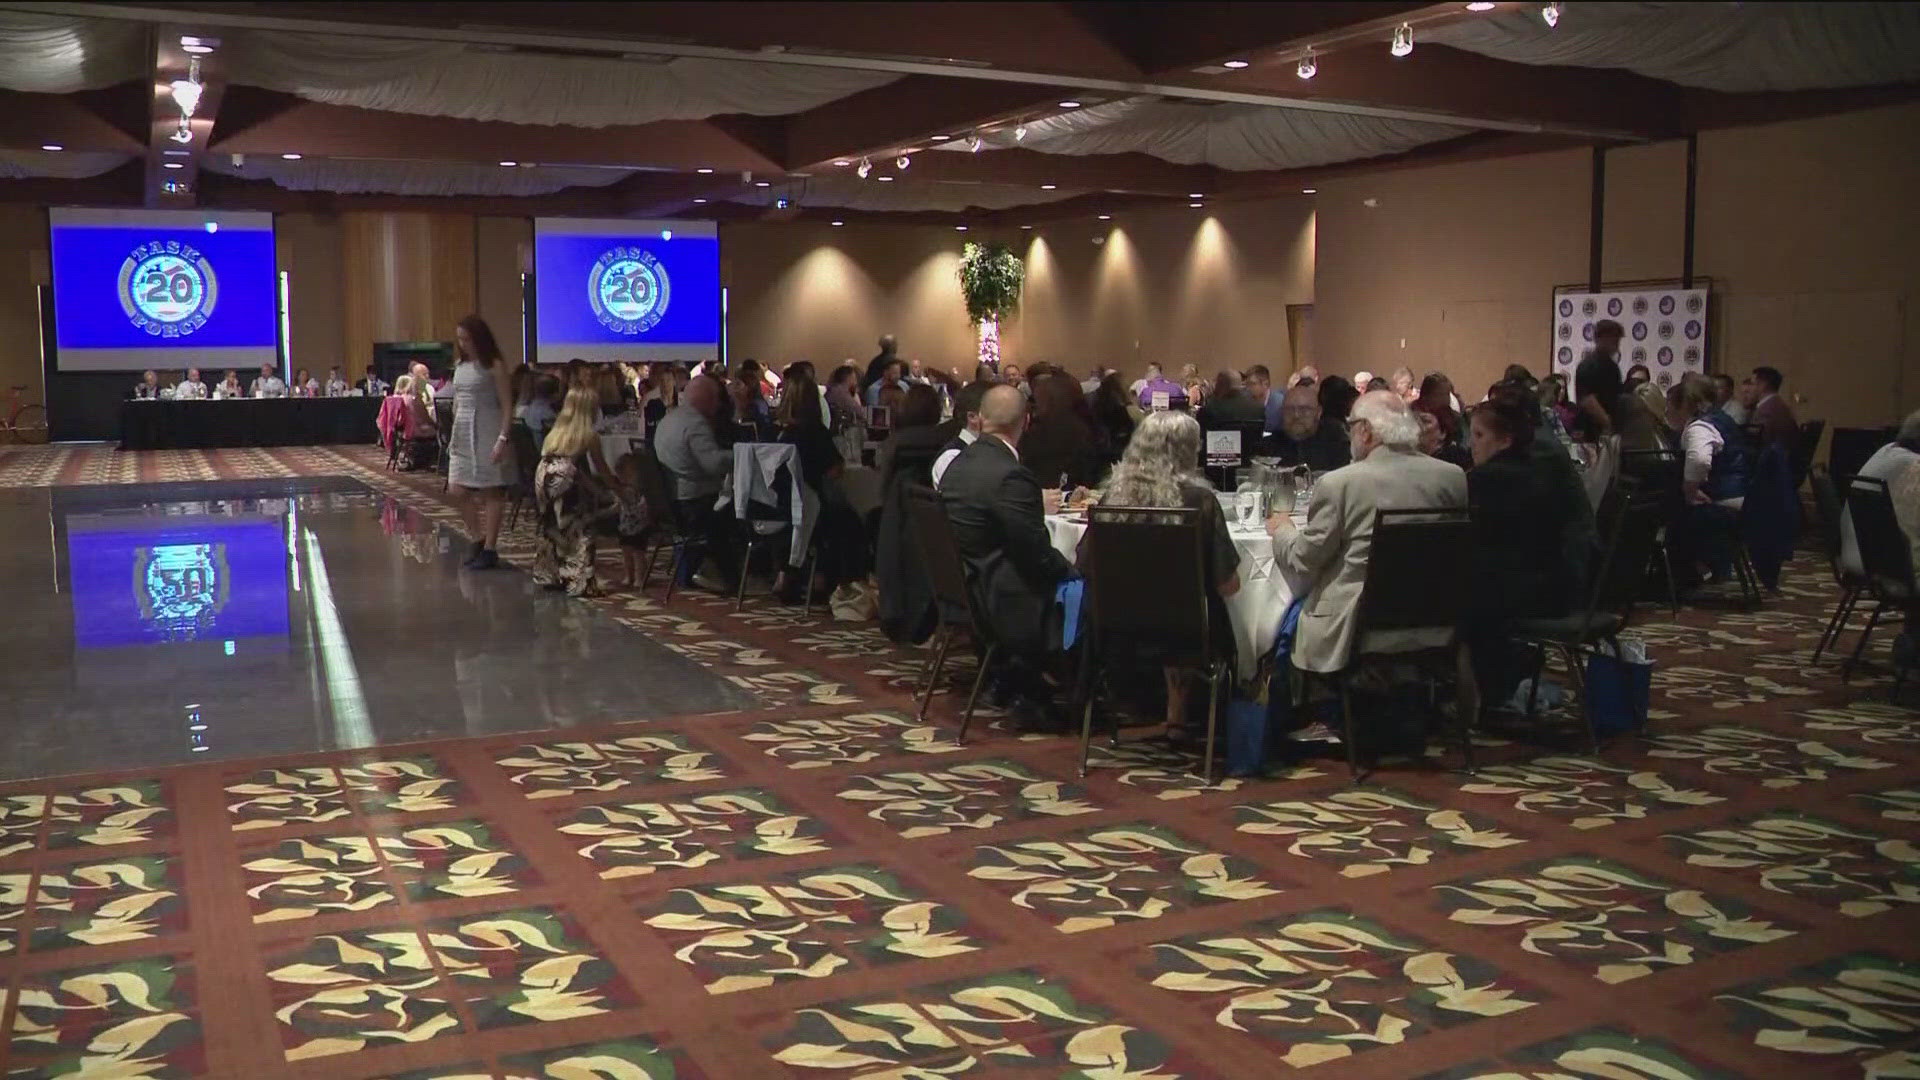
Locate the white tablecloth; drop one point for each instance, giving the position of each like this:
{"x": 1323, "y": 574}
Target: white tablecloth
{"x": 616, "y": 445}
{"x": 1255, "y": 611}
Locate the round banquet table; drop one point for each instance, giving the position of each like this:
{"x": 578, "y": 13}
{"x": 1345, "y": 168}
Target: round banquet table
{"x": 1255, "y": 611}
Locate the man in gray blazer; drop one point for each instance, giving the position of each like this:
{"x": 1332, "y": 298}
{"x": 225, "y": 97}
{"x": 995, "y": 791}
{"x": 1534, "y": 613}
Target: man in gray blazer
{"x": 697, "y": 467}
{"x": 1330, "y": 551}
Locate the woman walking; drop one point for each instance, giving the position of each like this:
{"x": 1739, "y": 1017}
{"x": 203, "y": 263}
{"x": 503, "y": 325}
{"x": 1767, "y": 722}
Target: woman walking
{"x": 478, "y": 455}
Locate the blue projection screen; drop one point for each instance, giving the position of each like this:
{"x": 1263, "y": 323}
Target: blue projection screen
{"x": 638, "y": 291}
{"x": 136, "y": 289}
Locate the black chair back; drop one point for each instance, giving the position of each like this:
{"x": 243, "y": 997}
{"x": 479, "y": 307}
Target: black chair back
{"x": 657, "y": 489}
{"x": 526, "y": 456}
{"x": 1885, "y": 553}
{"x": 1419, "y": 570}
{"x": 1622, "y": 573}
{"x": 939, "y": 552}
{"x": 1146, "y": 580}
{"x": 1826, "y": 503}
{"x": 1851, "y": 447}
{"x": 1803, "y": 449}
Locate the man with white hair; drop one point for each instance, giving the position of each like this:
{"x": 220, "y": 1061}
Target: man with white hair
{"x": 1330, "y": 551}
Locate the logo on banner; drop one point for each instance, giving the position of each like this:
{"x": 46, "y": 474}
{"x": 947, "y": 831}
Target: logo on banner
{"x": 1588, "y": 307}
{"x": 167, "y": 288}
{"x": 1665, "y": 356}
{"x": 1666, "y": 331}
{"x": 1586, "y": 331}
{"x": 1692, "y": 329}
{"x": 1566, "y": 309}
{"x": 1693, "y": 304}
{"x": 629, "y": 290}
{"x": 1639, "y": 331}
{"x": 1566, "y": 356}
{"x": 1566, "y": 331}
{"x": 1639, "y": 354}
{"x": 1666, "y": 305}
{"x": 1691, "y": 356}
{"x": 1639, "y": 305}
{"x": 1613, "y": 306}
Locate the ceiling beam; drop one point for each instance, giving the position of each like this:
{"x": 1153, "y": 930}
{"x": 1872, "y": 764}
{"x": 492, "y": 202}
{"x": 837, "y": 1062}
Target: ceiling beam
{"x": 29, "y": 121}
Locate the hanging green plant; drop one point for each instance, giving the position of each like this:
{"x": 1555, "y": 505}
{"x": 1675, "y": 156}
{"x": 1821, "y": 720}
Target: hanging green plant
{"x": 990, "y": 279}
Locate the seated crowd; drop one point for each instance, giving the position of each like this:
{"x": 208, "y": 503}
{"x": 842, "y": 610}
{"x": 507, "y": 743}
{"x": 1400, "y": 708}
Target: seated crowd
{"x": 1005, "y": 448}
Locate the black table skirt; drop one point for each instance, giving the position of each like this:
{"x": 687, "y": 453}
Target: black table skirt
{"x": 172, "y": 425}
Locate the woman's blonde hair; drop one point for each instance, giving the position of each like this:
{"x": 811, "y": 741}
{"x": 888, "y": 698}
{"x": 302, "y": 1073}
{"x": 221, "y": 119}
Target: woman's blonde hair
{"x": 403, "y": 385}
{"x": 573, "y": 431}
{"x": 422, "y": 391}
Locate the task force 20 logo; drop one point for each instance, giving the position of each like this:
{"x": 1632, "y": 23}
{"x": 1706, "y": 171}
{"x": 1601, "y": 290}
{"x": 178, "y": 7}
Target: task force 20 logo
{"x": 629, "y": 290}
{"x": 167, "y": 288}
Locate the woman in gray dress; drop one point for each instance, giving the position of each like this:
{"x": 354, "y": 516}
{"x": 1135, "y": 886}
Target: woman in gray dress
{"x": 478, "y": 455}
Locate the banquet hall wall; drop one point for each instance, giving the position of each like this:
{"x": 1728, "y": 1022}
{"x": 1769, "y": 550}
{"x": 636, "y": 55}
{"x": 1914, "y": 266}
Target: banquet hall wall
{"x": 1807, "y": 228}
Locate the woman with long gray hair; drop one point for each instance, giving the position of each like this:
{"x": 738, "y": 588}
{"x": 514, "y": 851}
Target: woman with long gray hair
{"x": 1161, "y": 467}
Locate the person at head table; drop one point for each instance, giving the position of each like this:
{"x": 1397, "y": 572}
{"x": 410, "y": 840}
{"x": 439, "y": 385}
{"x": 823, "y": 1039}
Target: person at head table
{"x": 190, "y": 388}
{"x": 269, "y": 385}
{"x": 149, "y": 388}
{"x": 336, "y": 384}
{"x": 1307, "y": 437}
{"x": 373, "y": 385}
{"x": 229, "y": 387}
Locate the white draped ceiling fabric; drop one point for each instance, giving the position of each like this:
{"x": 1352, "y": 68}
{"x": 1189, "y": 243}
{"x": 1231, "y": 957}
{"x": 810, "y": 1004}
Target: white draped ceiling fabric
{"x": 1718, "y": 46}
{"x": 359, "y": 177}
{"x": 1239, "y": 137}
{"x": 1739, "y": 48}
{"x": 70, "y": 165}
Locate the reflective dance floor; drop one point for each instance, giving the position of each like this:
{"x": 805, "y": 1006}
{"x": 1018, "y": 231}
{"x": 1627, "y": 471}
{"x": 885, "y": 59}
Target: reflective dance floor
{"x": 154, "y": 624}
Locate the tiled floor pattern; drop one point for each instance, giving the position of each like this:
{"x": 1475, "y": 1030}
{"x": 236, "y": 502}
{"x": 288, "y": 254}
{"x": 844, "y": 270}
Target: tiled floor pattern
{"x": 829, "y": 888}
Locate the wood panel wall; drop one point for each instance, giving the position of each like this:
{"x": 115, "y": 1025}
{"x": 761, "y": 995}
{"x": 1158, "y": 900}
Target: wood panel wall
{"x": 406, "y": 277}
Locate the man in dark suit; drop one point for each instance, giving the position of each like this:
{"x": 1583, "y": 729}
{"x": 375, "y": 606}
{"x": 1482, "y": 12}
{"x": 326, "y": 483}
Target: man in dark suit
{"x": 1772, "y": 413}
{"x": 998, "y": 514}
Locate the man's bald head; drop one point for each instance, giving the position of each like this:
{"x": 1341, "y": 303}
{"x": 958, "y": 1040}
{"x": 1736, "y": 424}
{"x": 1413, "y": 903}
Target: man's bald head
{"x": 703, "y": 394}
{"x": 1003, "y": 412}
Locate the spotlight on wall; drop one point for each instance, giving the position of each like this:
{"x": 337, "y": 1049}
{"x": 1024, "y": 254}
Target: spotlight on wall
{"x": 1309, "y": 66}
{"x": 865, "y": 168}
{"x": 902, "y": 162}
{"x": 1402, "y": 40}
{"x": 1551, "y": 15}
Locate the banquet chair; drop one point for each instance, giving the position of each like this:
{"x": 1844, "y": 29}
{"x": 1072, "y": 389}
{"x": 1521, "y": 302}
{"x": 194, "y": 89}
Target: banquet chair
{"x": 1885, "y": 555}
{"x": 1632, "y": 524}
{"x": 669, "y": 533}
{"x": 1826, "y": 505}
{"x": 1419, "y": 577}
{"x": 1850, "y": 448}
{"x": 526, "y": 458}
{"x": 1657, "y": 474}
{"x": 953, "y": 599}
{"x": 1803, "y": 449}
{"x": 1147, "y": 606}
{"x": 762, "y": 525}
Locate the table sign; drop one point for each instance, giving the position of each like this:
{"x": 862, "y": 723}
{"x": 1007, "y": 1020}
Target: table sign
{"x": 1223, "y": 448}
{"x": 1162, "y": 401}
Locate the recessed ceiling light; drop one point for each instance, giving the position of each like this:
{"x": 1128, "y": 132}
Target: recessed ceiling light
{"x": 699, "y": 200}
{"x": 763, "y": 183}
{"x": 703, "y": 172}
{"x": 884, "y": 179}
{"x": 959, "y": 228}
{"x": 1196, "y": 205}
{"x": 172, "y": 165}
{"x": 842, "y": 162}
{"x": 837, "y": 224}
{"x": 290, "y": 157}
{"x": 508, "y": 164}
{"x": 1309, "y": 190}
{"x": 1069, "y": 104}
{"x": 52, "y": 146}
{"x": 1236, "y": 64}
{"x": 1106, "y": 217}
{"x": 1481, "y": 7}
{"x": 939, "y": 138}
{"x": 1048, "y": 187}
{"x": 1196, "y": 195}
{"x": 1026, "y": 226}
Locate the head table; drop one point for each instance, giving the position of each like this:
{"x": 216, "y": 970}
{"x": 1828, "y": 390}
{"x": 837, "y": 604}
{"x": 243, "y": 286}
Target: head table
{"x": 1255, "y": 611}
{"x": 173, "y": 425}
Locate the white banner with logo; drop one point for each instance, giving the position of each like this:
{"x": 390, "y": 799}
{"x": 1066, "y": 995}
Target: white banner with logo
{"x": 1664, "y": 329}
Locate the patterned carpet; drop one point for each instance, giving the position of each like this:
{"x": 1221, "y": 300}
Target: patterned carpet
{"x": 824, "y": 888}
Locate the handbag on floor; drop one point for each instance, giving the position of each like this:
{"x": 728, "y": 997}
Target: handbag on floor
{"x": 1618, "y": 689}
